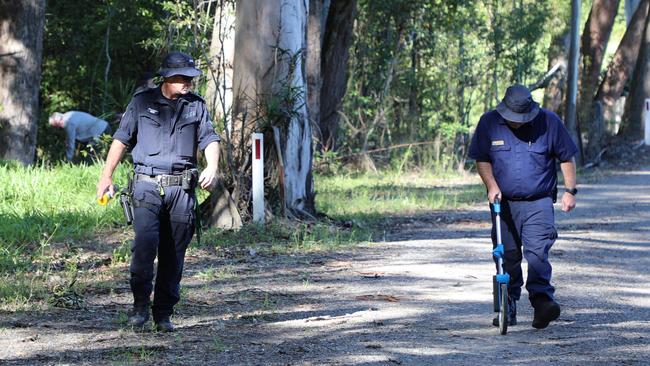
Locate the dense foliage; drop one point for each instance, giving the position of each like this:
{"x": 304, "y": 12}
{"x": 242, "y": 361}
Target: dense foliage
{"x": 419, "y": 70}
{"x": 95, "y": 54}
{"x": 425, "y": 70}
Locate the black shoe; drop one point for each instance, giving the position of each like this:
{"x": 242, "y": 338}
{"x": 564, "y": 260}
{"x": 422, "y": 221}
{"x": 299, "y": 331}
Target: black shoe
{"x": 512, "y": 314}
{"x": 546, "y": 310}
{"x": 138, "y": 316}
{"x": 164, "y": 325}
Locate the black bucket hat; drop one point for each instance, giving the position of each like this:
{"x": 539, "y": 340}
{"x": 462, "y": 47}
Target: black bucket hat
{"x": 178, "y": 63}
{"x": 518, "y": 105}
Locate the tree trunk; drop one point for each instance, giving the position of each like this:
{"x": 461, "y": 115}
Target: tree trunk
{"x": 335, "y": 53}
{"x": 313, "y": 63}
{"x": 414, "y": 101}
{"x": 297, "y": 142}
{"x": 617, "y": 75}
{"x": 594, "y": 42}
{"x": 222, "y": 49}
{"x": 495, "y": 37}
{"x": 640, "y": 90}
{"x": 624, "y": 59}
{"x": 21, "y": 49}
{"x": 270, "y": 92}
{"x": 557, "y": 55}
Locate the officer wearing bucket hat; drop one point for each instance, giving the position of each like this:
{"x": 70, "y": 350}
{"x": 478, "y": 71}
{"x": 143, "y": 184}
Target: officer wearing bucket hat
{"x": 516, "y": 147}
{"x": 162, "y": 127}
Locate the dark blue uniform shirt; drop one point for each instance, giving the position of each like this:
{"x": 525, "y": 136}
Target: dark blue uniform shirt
{"x": 163, "y": 134}
{"x": 523, "y": 159}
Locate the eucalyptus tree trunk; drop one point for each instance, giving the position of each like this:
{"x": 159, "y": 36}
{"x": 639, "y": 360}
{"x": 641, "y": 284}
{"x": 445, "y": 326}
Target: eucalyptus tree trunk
{"x": 21, "y": 49}
{"x": 296, "y": 139}
{"x": 624, "y": 59}
{"x": 315, "y": 29}
{"x": 617, "y": 75}
{"x": 270, "y": 94}
{"x": 594, "y": 42}
{"x": 639, "y": 90}
{"x": 335, "y": 53}
{"x": 222, "y": 49}
{"x": 220, "y": 209}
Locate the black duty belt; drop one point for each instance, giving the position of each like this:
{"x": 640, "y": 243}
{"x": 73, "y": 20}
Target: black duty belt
{"x": 163, "y": 180}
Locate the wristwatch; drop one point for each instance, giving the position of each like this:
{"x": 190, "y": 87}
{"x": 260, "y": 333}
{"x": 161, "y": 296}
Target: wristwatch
{"x": 573, "y": 191}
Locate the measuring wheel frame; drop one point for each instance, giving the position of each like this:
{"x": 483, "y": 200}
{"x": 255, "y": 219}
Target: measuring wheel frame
{"x": 501, "y": 281}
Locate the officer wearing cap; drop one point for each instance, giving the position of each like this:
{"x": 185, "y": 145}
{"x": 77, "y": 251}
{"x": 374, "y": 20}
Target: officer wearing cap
{"x": 162, "y": 127}
{"x": 516, "y": 147}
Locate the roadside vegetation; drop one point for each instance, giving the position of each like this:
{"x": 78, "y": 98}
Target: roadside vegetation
{"x": 54, "y": 234}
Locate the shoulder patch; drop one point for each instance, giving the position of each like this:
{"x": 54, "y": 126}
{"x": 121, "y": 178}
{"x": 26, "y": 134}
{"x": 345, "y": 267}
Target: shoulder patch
{"x": 497, "y": 142}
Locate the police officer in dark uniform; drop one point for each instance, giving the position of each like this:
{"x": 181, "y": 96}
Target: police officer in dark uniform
{"x": 516, "y": 148}
{"x": 163, "y": 127}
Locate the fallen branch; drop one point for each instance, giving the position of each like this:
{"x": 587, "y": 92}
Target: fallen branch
{"x": 596, "y": 161}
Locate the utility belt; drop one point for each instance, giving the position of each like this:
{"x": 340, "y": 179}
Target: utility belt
{"x": 188, "y": 179}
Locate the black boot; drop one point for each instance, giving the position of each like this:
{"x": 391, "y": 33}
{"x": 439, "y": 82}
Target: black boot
{"x": 164, "y": 325}
{"x": 546, "y": 310}
{"x": 138, "y": 316}
{"x": 512, "y": 314}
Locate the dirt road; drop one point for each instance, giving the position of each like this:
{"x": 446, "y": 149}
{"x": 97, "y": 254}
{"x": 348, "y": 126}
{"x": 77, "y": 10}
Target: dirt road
{"x": 422, "y": 296}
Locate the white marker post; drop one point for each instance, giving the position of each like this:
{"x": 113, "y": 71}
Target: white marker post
{"x": 646, "y": 121}
{"x": 258, "y": 178}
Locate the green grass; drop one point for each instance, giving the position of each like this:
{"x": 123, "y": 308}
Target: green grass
{"x": 47, "y": 212}
{"x": 52, "y": 203}
{"x": 371, "y": 197}
{"x": 363, "y": 202}
{"x": 282, "y": 237}
{"x": 42, "y": 204}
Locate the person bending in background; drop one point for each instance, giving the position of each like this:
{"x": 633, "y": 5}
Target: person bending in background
{"x": 80, "y": 127}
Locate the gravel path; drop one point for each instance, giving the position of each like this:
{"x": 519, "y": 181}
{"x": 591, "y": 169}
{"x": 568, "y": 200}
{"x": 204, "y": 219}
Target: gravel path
{"x": 420, "y": 297}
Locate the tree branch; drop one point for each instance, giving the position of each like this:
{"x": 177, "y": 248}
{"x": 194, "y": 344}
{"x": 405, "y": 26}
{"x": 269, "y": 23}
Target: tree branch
{"x": 544, "y": 80}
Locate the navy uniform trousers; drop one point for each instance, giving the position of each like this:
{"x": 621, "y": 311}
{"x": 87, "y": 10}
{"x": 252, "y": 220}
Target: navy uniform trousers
{"x": 163, "y": 225}
{"x": 531, "y": 225}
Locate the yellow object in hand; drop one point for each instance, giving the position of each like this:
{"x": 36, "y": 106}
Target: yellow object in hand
{"x": 103, "y": 200}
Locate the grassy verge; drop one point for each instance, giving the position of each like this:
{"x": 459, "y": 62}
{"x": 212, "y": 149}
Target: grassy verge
{"x": 362, "y": 203}
{"x": 282, "y": 237}
{"x": 57, "y": 203}
{"x": 370, "y": 198}
{"x": 45, "y": 212}
{"x": 52, "y": 230}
